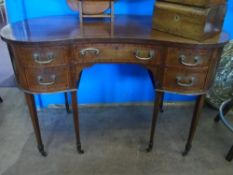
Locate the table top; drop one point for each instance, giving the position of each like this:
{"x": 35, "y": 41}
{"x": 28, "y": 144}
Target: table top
{"x": 67, "y": 27}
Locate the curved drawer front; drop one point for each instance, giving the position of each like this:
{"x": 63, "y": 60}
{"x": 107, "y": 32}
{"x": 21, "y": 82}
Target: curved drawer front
{"x": 184, "y": 80}
{"x": 48, "y": 79}
{"x": 42, "y": 55}
{"x": 188, "y": 57}
{"x": 118, "y": 53}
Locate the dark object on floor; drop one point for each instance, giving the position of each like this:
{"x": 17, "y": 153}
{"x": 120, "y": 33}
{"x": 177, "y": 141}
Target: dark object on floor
{"x": 223, "y": 110}
{"x": 67, "y": 103}
{"x": 1, "y": 100}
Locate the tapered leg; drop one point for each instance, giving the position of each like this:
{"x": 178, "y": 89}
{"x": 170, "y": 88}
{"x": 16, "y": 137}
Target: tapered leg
{"x": 154, "y": 119}
{"x": 154, "y": 86}
{"x": 229, "y": 156}
{"x": 1, "y": 100}
{"x": 67, "y": 103}
{"x": 33, "y": 113}
{"x": 196, "y": 116}
{"x": 76, "y": 121}
{"x": 161, "y": 103}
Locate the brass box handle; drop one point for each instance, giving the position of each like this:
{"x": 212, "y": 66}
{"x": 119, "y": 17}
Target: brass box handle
{"x": 41, "y": 81}
{"x": 151, "y": 55}
{"x": 50, "y": 58}
{"x": 180, "y": 83}
{"x": 96, "y": 51}
{"x": 197, "y": 61}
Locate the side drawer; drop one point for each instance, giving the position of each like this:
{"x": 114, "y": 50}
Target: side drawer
{"x": 188, "y": 57}
{"x": 48, "y": 79}
{"x": 131, "y": 53}
{"x": 42, "y": 56}
{"x": 184, "y": 80}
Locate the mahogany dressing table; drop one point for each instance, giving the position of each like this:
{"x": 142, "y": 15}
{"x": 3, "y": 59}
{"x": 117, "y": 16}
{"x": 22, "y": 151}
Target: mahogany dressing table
{"x": 48, "y": 55}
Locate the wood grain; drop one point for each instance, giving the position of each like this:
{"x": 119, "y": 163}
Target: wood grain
{"x": 124, "y": 46}
{"x": 187, "y": 21}
{"x": 175, "y": 55}
{"x": 132, "y": 41}
{"x": 199, "y": 3}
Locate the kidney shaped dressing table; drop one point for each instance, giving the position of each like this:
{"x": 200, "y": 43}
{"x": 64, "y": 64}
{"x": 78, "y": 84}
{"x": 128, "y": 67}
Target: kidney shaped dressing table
{"x": 48, "y": 55}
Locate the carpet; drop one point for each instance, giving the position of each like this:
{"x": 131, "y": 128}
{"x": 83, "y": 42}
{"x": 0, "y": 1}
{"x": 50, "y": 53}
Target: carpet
{"x": 115, "y": 138}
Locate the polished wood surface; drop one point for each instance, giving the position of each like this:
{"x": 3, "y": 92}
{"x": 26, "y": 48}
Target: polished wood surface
{"x": 199, "y": 3}
{"x": 126, "y": 28}
{"x": 48, "y": 56}
{"x": 45, "y": 55}
{"x": 117, "y": 53}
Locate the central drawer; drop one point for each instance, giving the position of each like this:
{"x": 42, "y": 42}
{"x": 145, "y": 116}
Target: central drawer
{"x": 119, "y": 53}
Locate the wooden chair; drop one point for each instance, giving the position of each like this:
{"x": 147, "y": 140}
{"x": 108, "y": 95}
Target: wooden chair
{"x": 225, "y": 107}
{"x": 2, "y": 12}
{"x": 95, "y": 9}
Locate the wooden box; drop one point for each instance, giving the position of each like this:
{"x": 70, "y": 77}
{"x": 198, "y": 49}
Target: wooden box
{"x": 187, "y": 21}
{"x": 199, "y": 3}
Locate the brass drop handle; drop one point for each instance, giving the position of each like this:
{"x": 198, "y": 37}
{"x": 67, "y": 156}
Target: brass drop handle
{"x": 41, "y": 81}
{"x": 180, "y": 83}
{"x": 151, "y": 55}
{"x": 50, "y": 58}
{"x": 197, "y": 61}
{"x": 86, "y": 50}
